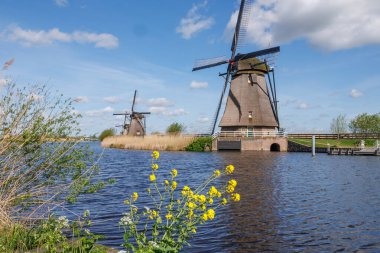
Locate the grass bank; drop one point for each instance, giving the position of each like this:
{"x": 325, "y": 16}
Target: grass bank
{"x": 339, "y": 143}
{"x": 148, "y": 142}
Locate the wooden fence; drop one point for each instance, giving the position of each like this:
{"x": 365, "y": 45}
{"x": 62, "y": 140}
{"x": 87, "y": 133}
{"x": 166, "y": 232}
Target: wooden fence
{"x": 337, "y": 136}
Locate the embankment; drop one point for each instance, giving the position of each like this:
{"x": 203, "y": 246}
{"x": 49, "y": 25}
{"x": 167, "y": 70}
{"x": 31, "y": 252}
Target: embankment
{"x": 149, "y": 142}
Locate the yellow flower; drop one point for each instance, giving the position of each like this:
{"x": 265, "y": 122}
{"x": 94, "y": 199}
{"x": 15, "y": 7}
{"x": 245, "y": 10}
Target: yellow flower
{"x": 155, "y": 155}
{"x": 230, "y": 169}
{"x": 202, "y": 199}
{"x": 196, "y": 197}
{"x": 169, "y": 216}
{"x": 211, "y": 214}
{"x": 192, "y": 205}
{"x": 210, "y": 201}
{"x": 217, "y": 173}
{"x": 219, "y": 194}
{"x": 166, "y": 182}
{"x": 135, "y": 196}
{"x": 174, "y": 173}
{"x": 235, "y": 197}
{"x": 152, "y": 177}
{"x": 224, "y": 201}
{"x": 126, "y": 202}
{"x": 154, "y": 213}
{"x": 204, "y": 217}
{"x": 213, "y": 191}
{"x": 232, "y": 182}
{"x": 154, "y": 166}
{"x": 230, "y": 189}
{"x": 185, "y": 190}
{"x": 174, "y": 185}
{"x": 194, "y": 230}
{"x": 148, "y": 190}
{"x": 203, "y": 207}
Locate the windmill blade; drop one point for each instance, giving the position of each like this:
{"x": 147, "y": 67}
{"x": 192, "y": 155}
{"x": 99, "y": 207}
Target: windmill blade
{"x": 244, "y": 22}
{"x": 221, "y": 98}
{"x": 235, "y": 40}
{"x": 122, "y": 113}
{"x": 209, "y": 63}
{"x": 263, "y": 52}
{"x": 143, "y": 112}
{"x": 134, "y": 100}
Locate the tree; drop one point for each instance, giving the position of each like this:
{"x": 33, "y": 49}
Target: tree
{"x": 365, "y": 123}
{"x": 175, "y": 128}
{"x": 339, "y": 125}
{"x": 39, "y": 167}
{"x": 107, "y": 133}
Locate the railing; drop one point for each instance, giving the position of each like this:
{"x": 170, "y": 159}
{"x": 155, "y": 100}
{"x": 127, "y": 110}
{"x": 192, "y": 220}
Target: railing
{"x": 250, "y": 134}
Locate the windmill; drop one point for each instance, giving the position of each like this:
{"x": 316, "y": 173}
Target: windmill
{"x": 134, "y": 122}
{"x": 251, "y": 104}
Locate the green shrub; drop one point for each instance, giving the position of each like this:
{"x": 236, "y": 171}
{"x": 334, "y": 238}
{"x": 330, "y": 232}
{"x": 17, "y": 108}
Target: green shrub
{"x": 107, "y": 133}
{"x": 200, "y": 144}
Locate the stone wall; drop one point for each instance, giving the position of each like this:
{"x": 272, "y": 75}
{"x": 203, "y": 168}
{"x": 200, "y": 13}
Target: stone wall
{"x": 296, "y": 147}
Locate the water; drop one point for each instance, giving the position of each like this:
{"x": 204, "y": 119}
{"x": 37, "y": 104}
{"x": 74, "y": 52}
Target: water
{"x": 290, "y": 202}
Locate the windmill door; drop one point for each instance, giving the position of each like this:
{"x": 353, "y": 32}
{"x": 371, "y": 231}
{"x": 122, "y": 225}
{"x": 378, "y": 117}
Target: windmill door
{"x": 250, "y": 132}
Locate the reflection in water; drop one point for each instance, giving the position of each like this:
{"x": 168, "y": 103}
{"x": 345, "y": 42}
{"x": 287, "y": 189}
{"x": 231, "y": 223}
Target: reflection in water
{"x": 289, "y": 201}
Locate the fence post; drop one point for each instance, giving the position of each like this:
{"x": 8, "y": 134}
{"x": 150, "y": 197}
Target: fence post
{"x": 313, "y": 146}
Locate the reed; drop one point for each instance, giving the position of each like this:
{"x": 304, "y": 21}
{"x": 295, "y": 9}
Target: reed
{"x": 149, "y": 142}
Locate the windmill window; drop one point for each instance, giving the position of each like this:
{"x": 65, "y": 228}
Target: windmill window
{"x": 250, "y": 115}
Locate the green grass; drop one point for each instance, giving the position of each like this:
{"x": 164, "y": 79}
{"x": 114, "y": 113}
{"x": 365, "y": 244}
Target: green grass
{"x": 341, "y": 143}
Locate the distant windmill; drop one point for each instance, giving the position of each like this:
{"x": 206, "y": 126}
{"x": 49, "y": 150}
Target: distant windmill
{"x": 134, "y": 122}
{"x": 251, "y": 104}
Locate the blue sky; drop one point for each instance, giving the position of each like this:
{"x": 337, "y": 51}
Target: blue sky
{"x": 98, "y": 52}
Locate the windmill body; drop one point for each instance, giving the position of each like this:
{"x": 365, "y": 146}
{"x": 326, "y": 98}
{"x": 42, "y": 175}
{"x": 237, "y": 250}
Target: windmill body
{"x": 134, "y": 122}
{"x": 249, "y": 106}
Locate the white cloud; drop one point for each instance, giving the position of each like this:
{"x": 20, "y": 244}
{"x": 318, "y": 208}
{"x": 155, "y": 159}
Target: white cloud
{"x": 355, "y": 93}
{"x": 100, "y": 112}
{"x": 157, "y": 110}
{"x": 198, "y": 85}
{"x": 34, "y": 96}
{"x": 81, "y": 99}
{"x": 176, "y": 112}
{"x": 161, "y": 110}
{"x": 42, "y": 37}
{"x": 194, "y": 22}
{"x": 61, "y": 3}
{"x": 75, "y": 112}
{"x": 329, "y": 25}
{"x": 303, "y": 106}
{"x": 203, "y": 119}
{"x": 159, "y": 102}
{"x": 112, "y": 100}
{"x": 3, "y": 82}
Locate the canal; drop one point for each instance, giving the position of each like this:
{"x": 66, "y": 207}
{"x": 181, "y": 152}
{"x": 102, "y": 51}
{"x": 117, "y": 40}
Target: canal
{"x": 290, "y": 202}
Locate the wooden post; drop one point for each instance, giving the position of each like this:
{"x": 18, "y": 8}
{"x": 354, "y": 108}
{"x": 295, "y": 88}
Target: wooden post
{"x": 313, "y": 146}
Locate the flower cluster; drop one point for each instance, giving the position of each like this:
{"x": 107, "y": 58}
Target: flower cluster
{"x": 174, "y": 214}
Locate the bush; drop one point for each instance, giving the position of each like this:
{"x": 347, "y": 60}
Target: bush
{"x": 175, "y": 128}
{"x": 41, "y": 163}
{"x": 200, "y": 144}
{"x": 107, "y": 133}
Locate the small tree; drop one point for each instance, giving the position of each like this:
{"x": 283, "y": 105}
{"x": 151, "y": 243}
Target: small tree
{"x": 175, "y": 128}
{"x": 366, "y": 123}
{"x": 107, "y": 133}
{"x": 339, "y": 125}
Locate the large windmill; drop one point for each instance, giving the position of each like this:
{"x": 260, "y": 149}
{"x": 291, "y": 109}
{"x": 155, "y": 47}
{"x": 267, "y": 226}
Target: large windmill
{"x": 134, "y": 122}
{"x": 251, "y": 104}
